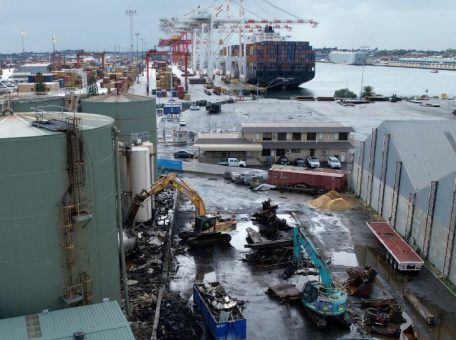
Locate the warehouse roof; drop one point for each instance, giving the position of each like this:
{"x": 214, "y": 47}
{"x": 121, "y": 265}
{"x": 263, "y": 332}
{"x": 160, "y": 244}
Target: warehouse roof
{"x": 225, "y": 142}
{"x": 18, "y": 125}
{"x": 305, "y": 145}
{"x": 97, "y": 322}
{"x": 427, "y": 149}
{"x": 295, "y": 127}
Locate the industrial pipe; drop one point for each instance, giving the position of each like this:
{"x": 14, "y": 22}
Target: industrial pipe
{"x": 119, "y": 221}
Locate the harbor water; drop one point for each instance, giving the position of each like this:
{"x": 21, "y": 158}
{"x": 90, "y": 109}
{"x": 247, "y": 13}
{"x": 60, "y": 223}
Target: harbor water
{"x": 385, "y": 81}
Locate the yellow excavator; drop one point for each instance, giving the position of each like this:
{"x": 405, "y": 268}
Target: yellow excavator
{"x": 207, "y": 227}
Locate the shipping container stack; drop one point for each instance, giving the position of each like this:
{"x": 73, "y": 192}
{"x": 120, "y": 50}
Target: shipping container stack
{"x": 269, "y": 60}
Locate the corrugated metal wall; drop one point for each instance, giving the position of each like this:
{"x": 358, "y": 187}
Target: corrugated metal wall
{"x": 411, "y": 218}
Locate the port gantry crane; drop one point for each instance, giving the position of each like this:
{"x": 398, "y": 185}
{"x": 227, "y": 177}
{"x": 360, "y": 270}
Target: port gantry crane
{"x": 202, "y": 24}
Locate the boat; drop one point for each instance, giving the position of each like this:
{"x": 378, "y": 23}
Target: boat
{"x": 434, "y": 71}
{"x": 347, "y": 58}
{"x": 273, "y": 62}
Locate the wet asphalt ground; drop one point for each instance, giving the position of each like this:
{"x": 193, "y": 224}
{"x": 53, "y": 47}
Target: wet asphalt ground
{"x": 342, "y": 237}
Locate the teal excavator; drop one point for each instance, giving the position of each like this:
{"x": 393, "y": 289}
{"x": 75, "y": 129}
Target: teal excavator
{"x": 321, "y": 298}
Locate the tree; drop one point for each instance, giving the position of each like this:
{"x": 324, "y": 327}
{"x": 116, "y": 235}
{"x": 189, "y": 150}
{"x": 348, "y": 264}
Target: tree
{"x": 344, "y": 93}
{"x": 92, "y": 87}
{"x": 40, "y": 87}
{"x": 368, "y": 91}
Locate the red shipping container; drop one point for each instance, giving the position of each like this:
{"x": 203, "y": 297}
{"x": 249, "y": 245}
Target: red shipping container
{"x": 319, "y": 178}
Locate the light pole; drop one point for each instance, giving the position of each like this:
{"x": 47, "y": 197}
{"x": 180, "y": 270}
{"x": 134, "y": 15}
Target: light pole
{"x": 131, "y": 13}
{"x": 142, "y": 46}
{"x": 137, "y": 48}
{"x": 22, "y": 42}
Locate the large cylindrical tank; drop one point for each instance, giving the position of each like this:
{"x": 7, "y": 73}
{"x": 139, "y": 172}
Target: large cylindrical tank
{"x": 35, "y": 193}
{"x": 140, "y": 179}
{"x": 28, "y": 104}
{"x": 134, "y": 116}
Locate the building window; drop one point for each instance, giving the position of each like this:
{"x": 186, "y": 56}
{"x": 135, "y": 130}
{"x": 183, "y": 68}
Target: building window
{"x": 343, "y": 135}
{"x": 295, "y": 150}
{"x": 266, "y": 152}
{"x": 311, "y": 136}
{"x": 282, "y": 136}
{"x": 296, "y": 136}
{"x": 280, "y": 152}
{"x": 312, "y": 152}
{"x": 267, "y": 135}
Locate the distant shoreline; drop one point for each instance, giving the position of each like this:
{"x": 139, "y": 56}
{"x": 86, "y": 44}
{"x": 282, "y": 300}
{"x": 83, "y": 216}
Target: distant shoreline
{"x": 439, "y": 67}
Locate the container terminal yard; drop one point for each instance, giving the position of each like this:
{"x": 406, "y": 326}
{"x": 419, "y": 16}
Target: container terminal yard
{"x": 163, "y": 196}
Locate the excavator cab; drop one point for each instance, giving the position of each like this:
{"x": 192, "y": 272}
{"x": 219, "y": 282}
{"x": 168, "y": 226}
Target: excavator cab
{"x": 204, "y": 223}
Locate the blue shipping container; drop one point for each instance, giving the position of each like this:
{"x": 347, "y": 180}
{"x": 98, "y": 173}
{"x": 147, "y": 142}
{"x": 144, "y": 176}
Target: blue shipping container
{"x": 232, "y": 329}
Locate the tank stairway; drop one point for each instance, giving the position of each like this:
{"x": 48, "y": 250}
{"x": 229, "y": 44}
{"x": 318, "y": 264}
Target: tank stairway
{"x": 77, "y": 210}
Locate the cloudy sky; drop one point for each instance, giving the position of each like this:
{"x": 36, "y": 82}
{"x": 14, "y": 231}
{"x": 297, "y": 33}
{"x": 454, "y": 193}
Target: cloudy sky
{"x": 102, "y": 24}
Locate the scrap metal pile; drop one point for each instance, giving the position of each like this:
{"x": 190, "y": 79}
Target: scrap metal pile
{"x": 145, "y": 268}
{"x": 360, "y": 281}
{"x": 222, "y": 306}
{"x": 177, "y": 320}
{"x": 270, "y": 225}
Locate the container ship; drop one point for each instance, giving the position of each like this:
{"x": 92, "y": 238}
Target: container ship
{"x": 274, "y": 62}
{"x": 347, "y": 58}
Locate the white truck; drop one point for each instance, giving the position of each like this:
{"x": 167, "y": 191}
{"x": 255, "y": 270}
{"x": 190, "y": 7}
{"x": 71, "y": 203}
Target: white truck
{"x": 232, "y": 162}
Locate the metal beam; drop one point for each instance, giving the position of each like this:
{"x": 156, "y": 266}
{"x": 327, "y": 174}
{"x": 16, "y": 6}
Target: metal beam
{"x": 410, "y": 216}
{"x": 450, "y": 238}
{"x": 429, "y": 218}
{"x": 396, "y": 189}
{"x": 361, "y": 165}
{"x": 381, "y": 191}
{"x": 370, "y": 173}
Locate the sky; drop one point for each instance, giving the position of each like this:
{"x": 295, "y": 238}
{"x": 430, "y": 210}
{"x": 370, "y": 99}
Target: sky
{"x": 97, "y": 25}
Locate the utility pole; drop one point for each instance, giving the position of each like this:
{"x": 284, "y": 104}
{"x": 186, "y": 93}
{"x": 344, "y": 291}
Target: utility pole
{"x": 131, "y": 13}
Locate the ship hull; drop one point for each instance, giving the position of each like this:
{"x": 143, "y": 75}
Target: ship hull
{"x": 277, "y": 64}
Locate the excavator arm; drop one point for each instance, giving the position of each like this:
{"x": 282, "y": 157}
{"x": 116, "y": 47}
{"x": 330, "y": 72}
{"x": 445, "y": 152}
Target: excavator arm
{"x": 159, "y": 185}
{"x": 300, "y": 241}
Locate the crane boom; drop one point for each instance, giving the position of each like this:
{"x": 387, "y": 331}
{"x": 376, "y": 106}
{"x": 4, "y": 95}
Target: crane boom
{"x": 300, "y": 240}
{"x": 159, "y": 185}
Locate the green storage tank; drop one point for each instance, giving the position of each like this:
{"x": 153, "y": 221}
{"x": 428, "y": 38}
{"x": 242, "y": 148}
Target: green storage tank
{"x": 28, "y": 104}
{"x": 58, "y": 220}
{"x": 133, "y": 115}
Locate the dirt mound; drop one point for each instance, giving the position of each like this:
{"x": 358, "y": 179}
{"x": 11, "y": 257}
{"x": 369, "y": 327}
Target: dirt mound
{"x": 332, "y": 201}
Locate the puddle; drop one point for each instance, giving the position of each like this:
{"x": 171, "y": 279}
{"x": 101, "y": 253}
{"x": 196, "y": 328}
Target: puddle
{"x": 343, "y": 258}
{"x": 238, "y": 236}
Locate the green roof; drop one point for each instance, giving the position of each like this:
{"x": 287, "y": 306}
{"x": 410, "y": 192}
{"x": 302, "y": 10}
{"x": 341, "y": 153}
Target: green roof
{"x": 98, "y": 322}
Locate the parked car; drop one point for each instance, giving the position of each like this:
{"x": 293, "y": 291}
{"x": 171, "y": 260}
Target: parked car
{"x": 299, "y": 162}
{"x": 183, "y": 154}
{"x": 194, "y": 107}
{"x": 283, "y": 161}
{"x": 182, "y": 122}
{"x": 313, "y": 162}
{"x": 232, "y": 162}
{"x": 334, "y": 163}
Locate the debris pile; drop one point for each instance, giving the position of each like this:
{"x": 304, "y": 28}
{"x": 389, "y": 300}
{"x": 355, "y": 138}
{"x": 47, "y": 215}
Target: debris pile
{"x": 145, "y": 265}
{"x": 382, "y": 316}
{"x": 222, "y": 306}
{"x": 332, "y": 201}
{"x": 270, "y": 224}
{"x": 360, "y": 281}
{"x": 177, "y": 320}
